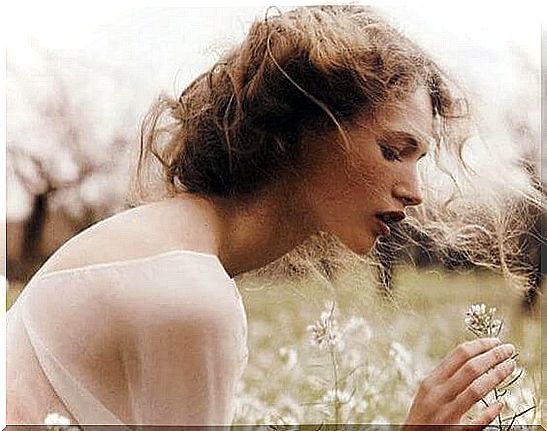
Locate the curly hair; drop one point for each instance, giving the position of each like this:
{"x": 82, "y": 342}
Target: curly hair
{"x": 238, "y": 126}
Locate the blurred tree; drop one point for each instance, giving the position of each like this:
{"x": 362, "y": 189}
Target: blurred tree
{"x": 71, "y": 178}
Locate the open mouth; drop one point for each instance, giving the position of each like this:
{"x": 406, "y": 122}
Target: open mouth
{"x": 389, "y": 218}
{"x": 384, "y": 228}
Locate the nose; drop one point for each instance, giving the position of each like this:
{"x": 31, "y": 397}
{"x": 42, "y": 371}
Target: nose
{"x": 409, "y": 192}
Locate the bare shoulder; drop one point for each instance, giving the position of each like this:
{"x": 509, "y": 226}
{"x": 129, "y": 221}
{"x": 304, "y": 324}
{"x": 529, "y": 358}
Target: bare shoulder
{"x": 134, "y": 233}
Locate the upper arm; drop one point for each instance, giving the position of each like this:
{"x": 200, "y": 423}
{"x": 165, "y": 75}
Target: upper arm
{"x": 182, "y": 356}
{"x": 71, "y": 327}
{"x": 182, "y": 369}
{"x": 159, "y": 343}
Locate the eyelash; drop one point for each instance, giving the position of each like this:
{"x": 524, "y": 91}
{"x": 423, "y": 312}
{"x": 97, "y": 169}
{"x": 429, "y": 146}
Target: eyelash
{"x": 390, "y": 154}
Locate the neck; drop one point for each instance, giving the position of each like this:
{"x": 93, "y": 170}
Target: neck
{"x": 255, "y": 231}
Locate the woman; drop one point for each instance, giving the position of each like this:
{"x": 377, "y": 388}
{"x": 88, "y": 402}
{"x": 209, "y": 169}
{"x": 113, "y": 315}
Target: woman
{"x": 317, "y": 122}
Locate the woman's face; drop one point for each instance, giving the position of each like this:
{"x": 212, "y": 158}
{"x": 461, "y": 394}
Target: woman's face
{"x": 354, "y": 195}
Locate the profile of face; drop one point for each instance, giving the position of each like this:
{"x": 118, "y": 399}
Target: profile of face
{"x": 356, "y": 195}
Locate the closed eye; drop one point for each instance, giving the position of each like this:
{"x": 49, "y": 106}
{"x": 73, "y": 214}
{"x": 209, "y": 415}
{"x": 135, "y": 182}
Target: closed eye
{"x": 390, "y": 154}
{"x": 406, "y": 145}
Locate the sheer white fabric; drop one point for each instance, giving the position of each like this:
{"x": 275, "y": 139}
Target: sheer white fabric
{"x": 160, "y": 340}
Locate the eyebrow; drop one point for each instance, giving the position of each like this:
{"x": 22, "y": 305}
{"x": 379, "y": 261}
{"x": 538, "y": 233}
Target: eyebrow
{"x": 408, "y": 138}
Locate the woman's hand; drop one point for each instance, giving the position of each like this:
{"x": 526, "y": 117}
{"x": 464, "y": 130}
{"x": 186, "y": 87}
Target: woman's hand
{"x": 459, "y": 381}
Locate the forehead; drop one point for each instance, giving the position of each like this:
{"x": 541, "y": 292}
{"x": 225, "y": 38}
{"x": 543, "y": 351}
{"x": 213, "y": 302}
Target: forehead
{"x": 412, "y": 115}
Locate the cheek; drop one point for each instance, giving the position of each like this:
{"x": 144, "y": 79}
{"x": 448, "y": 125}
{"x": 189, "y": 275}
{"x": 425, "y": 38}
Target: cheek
{"x": 370, "y": 179}
{"x": 349, "y": 186}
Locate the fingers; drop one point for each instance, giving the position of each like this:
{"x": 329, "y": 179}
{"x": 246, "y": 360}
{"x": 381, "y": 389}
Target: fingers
{"x": 466, "y": 375}
{"x": 482, "y": 386}
{"x": 488, "y": 416}
{"x": 459, "y": 356}
{"x": 476, "y": 367}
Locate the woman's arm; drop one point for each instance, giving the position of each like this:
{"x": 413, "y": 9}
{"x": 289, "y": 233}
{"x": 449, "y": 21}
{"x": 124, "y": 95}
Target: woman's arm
{"x": 156, "y": 341}
{"x": 182, "y": 366}
{"x": 183, "y": 343}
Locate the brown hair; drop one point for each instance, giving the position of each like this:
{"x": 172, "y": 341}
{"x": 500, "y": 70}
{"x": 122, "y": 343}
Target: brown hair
{"x": 238, "y": 125}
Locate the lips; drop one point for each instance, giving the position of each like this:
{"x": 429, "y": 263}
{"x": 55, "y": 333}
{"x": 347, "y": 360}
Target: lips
{"x": 387, "y": 218}
{"x": 390, "y": 217}
{"x": 384, "y": 228}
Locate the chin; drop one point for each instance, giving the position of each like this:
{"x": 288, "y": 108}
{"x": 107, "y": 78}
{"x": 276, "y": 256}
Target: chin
{"x": 363, "y": 247}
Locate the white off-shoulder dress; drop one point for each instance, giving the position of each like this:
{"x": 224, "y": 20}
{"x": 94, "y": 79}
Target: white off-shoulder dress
{"x": 159, "y": 340}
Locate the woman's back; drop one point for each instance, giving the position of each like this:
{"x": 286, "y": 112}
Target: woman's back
{"x": 128, "y": 340}
{"x": 172, "y": 224}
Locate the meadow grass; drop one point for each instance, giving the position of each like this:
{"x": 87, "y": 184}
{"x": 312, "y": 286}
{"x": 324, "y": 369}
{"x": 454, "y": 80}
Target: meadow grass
{"x": 387, "y": 346}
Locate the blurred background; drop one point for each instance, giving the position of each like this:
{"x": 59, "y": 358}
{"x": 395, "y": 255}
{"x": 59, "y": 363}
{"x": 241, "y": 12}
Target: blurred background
{"x": 79, "y": 82}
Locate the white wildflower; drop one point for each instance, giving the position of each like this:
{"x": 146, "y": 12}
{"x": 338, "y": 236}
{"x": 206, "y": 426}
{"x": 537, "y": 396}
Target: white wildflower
{"x": 57, "y": 422}
{"x": 359, "y": 326}
{"x": 343, "y": 397}
{"x": 403, "y": 362}
{"x": 380, "y": 420}
{"x": 400, "y": 353}
{"x": 361, "y": 406}
{"x": 481, "y": 321}
{"x": 325, "y": 332}
{"x": 55, "y": 419}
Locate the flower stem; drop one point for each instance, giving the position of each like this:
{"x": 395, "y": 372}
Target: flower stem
{"x": 499, "y": 415}
{"x": 337, "y": 418}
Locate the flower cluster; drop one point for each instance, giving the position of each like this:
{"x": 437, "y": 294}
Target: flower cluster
{"x": 336, "y": 396}
{"x": 55, "y": 419}
{"x": 482, "y": 322}
{"x": 324, "y": 332}
{"x": 56, "y": 422}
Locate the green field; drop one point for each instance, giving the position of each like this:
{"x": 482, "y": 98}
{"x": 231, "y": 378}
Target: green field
{"x": 388, "y": 348}
{"x": 385, "y": 351}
